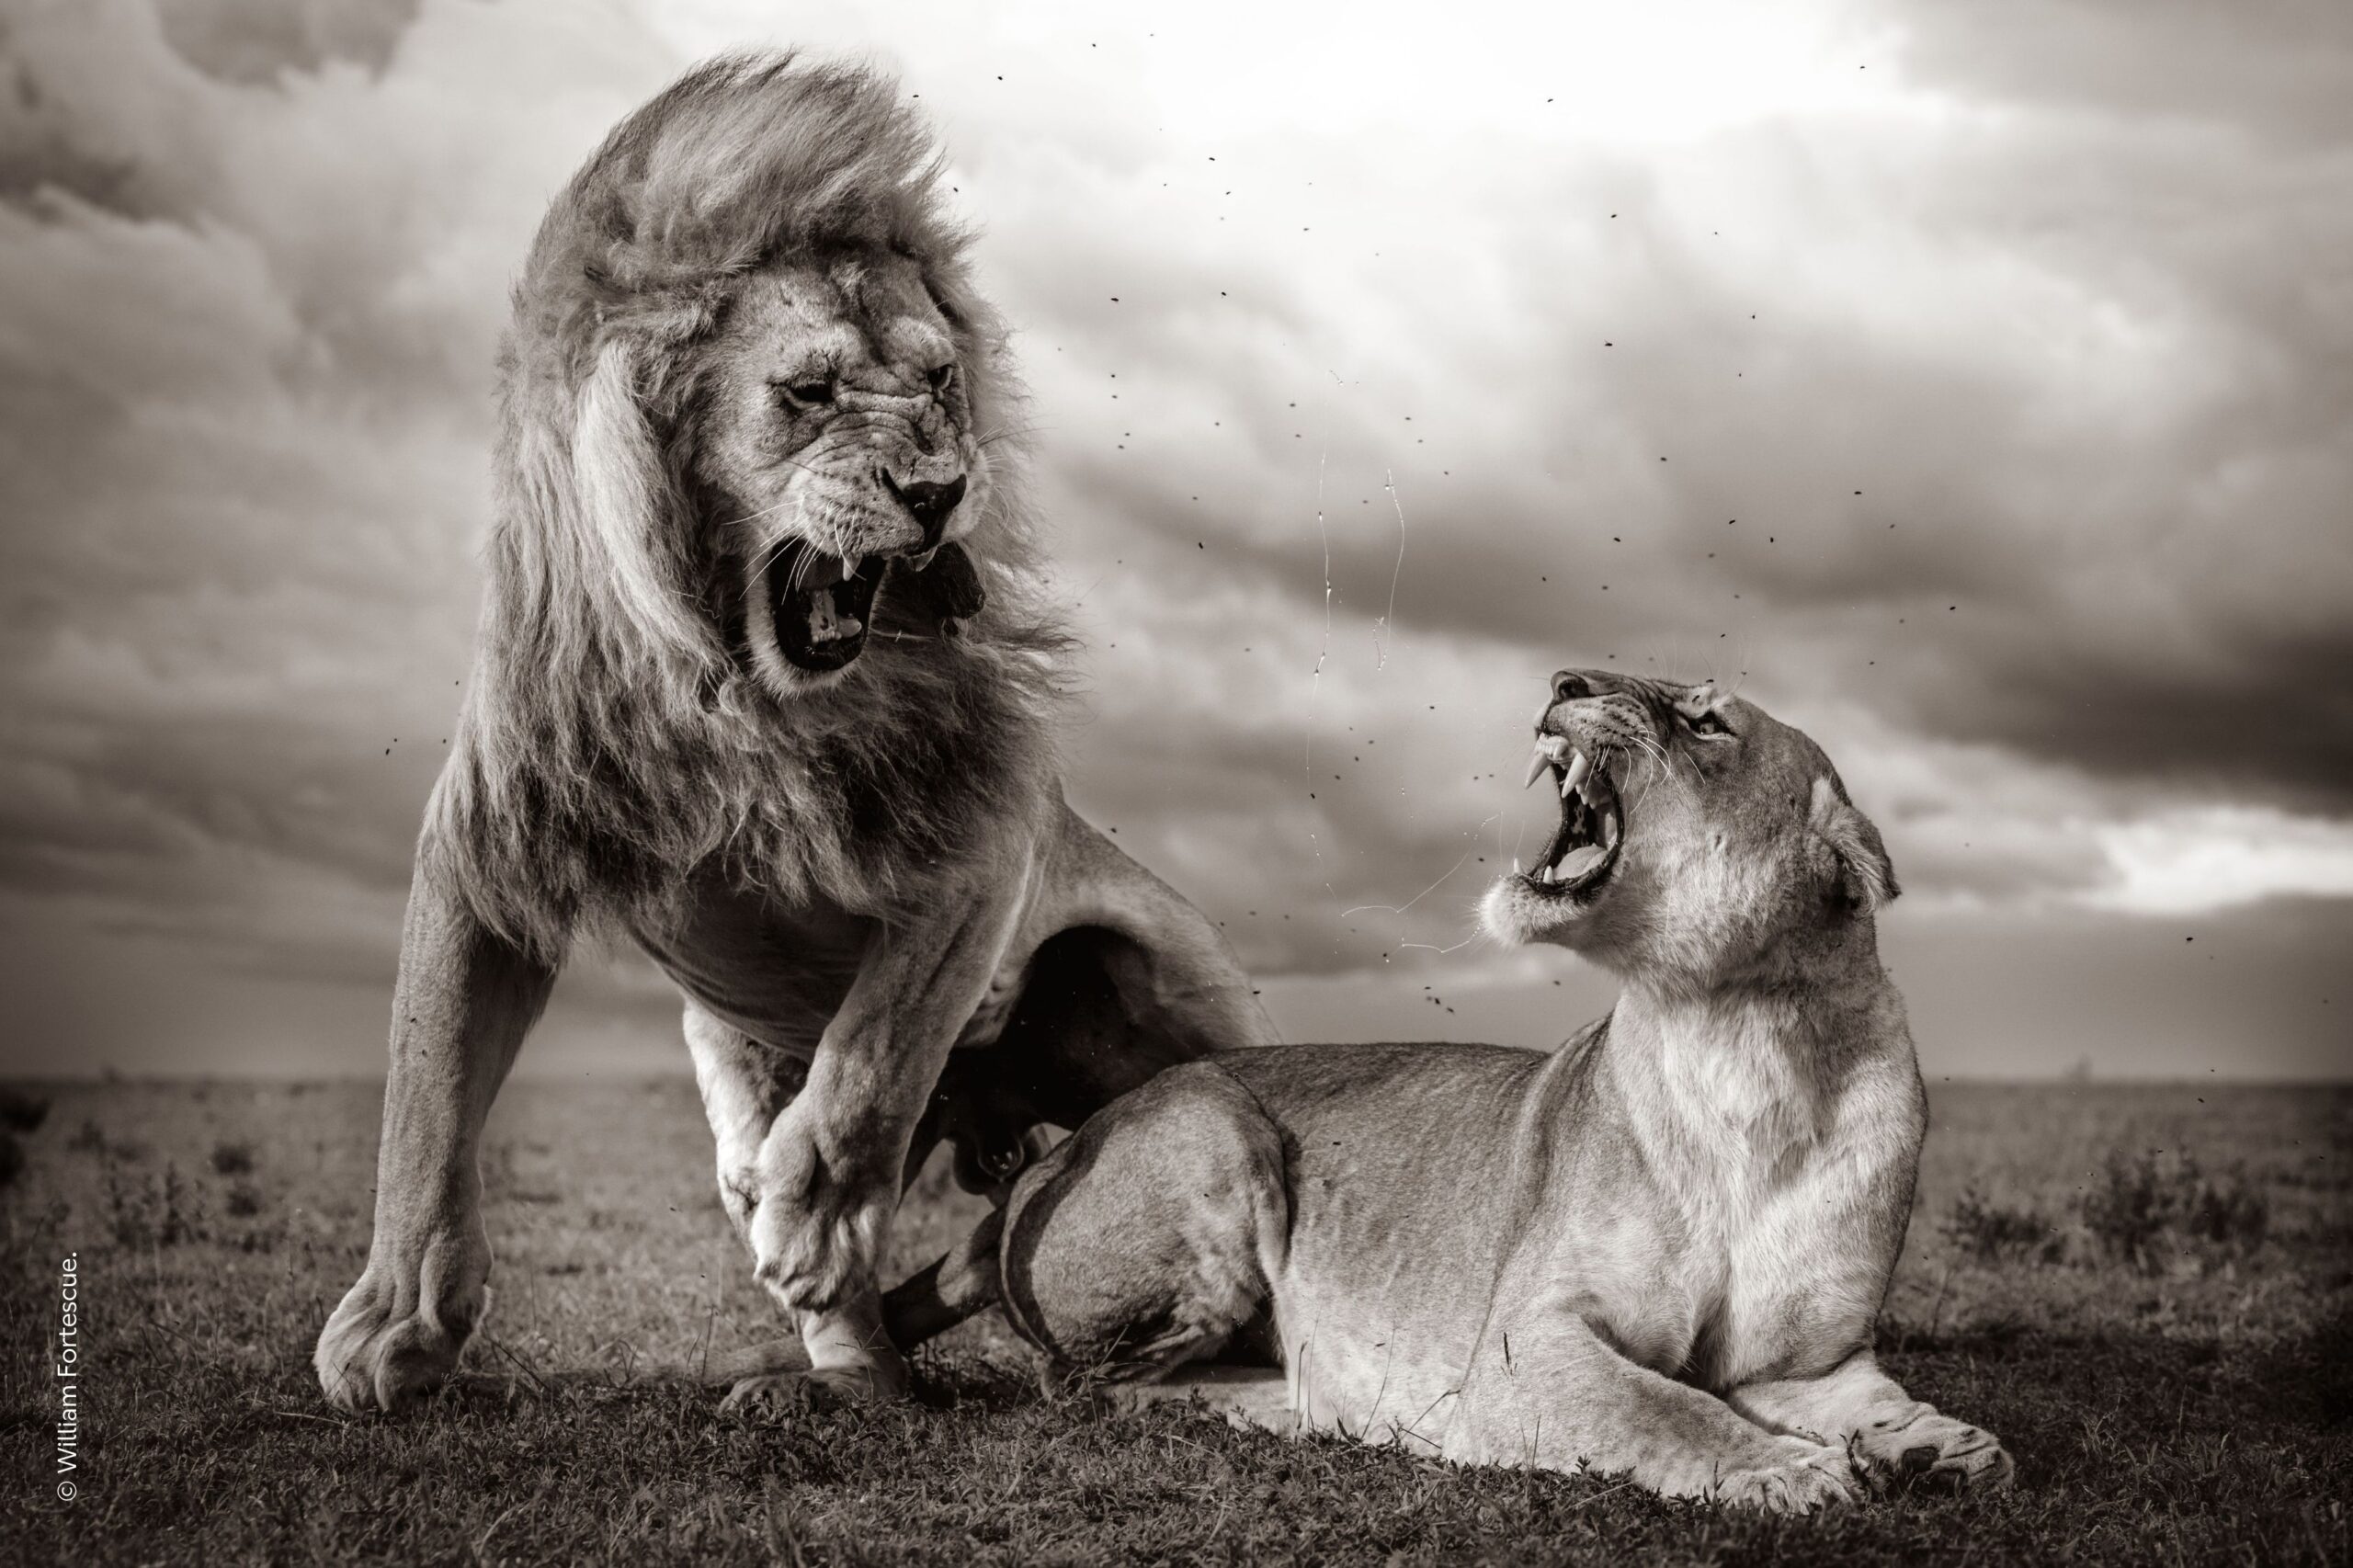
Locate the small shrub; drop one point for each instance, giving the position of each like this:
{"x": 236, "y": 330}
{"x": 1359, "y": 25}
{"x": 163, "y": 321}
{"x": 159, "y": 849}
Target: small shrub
{"x": 1992, "y": 1232}
{"x": 88, "y": 1138}
{"x": 233, "y": 1159}
{"x": 161, "y": 1211}
{"x": 243, "y": 1202}
{"x": 2143, "y": 1210}
{"x": 2234, "y": 1213}
{"x": 21, "y": 1112}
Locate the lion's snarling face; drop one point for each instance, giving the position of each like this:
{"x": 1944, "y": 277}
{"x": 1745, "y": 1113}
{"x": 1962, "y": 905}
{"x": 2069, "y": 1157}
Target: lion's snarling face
{"x": 834, "y": 436}
{"x": 1697, "y": 833}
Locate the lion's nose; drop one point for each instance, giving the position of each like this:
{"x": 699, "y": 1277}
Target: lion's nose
{"x": 929, "y": 504}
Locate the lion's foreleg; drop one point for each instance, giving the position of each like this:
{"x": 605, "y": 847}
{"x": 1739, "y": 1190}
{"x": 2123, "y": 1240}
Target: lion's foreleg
{"x": 464, "y": 1000}
{"x": 829, "y": 1170}
{"x": 1892, "y": 1436}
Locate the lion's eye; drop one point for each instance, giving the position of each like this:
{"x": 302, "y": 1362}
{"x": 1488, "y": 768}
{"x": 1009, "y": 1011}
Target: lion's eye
{"x": 1707, "y": 723}
{"x": 809, "y": 394}
{"x": 942, "y": 377}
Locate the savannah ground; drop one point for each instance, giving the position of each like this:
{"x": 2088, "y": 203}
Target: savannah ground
{"x": 2144, "y": 1290}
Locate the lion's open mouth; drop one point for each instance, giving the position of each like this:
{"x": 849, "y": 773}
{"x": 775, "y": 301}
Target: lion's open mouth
{"x": 1583, "y": 848}
{"x": 821, "y": 606}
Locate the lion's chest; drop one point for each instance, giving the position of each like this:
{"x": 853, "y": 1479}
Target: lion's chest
{"x": 780, "y": 975}
{"x": 777, "y": 974}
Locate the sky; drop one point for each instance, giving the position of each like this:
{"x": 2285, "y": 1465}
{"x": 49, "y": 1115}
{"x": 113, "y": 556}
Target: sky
{"x": 1970, "y": 384}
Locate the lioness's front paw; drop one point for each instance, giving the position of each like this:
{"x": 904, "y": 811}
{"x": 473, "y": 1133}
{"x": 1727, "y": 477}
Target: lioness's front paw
{"x": 772, "y": 1396}
{"x": 373, "y": 1357}
{"x": 1925, "y": 1448}
{"x": 1798, "y": 1478}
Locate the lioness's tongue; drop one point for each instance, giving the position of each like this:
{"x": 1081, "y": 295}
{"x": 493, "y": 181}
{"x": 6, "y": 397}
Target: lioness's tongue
{"x": 1577, "y": 862}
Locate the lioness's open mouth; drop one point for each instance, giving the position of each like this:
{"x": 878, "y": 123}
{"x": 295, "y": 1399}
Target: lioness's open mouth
{"x": 821, "y": 604}
{"x": 1583, "y": 848}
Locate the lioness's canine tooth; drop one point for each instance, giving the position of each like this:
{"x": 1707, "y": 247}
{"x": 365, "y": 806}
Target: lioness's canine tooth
{"x": 1515, "y": 865}
{"x": 1536, "y": 767}
{"x": 1580, "y": 766}
{"x": 1609, "y": 830}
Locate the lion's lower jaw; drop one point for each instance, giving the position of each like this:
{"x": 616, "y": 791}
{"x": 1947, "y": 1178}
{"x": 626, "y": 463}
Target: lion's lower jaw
{"x": 788, "y": 682}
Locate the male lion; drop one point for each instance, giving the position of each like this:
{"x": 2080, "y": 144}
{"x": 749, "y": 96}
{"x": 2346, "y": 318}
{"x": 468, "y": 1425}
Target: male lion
{"x": 765, "y": 683}
{"x": 1658, "y": 1249}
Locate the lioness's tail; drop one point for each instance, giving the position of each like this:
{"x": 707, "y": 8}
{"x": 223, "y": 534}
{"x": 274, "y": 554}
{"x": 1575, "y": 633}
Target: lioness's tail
{"x": 929, "y": 1303}
{"x": 954, "y": 1287}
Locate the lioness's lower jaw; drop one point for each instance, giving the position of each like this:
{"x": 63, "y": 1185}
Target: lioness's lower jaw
{"x": 819, "y": 609}
{"x": 1576, "y": 863}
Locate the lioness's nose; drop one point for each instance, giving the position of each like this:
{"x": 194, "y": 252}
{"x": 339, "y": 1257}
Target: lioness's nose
{"x": 929, "y": 504}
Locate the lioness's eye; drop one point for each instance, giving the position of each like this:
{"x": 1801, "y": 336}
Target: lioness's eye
{"x": 810, "y": 393}
{"x": 942, "y": 378}
{"x": 1706, "y": 725}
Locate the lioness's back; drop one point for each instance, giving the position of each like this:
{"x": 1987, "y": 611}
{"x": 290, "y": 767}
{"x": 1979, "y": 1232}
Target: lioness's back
{"x": 1399, "y": 1160}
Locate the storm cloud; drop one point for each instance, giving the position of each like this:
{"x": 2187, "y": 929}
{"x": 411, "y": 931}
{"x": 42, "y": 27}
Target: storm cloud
{"x": 1971, "y": 390}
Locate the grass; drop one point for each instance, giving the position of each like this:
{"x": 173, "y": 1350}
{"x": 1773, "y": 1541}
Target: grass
{"x": 2145, "y": 1291}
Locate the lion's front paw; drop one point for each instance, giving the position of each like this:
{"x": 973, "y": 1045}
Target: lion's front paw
{"x": 1797, "y": 1478}
{"x": 372, "y": 1355}
{"x": 1924, "y": 1447}
{"x": 774, "y": 1396}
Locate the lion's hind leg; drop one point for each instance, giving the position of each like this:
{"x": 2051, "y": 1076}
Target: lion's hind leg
{"x": 1148, "y": 1239}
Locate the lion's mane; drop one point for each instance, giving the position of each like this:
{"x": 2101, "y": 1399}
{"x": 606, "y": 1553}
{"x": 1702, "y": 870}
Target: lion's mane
{"x": 613, "y": 742}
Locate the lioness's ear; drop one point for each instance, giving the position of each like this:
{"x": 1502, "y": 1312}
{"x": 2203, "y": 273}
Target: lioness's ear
{"x": 1865, "y": 873}
{"x": 623, "y": 497}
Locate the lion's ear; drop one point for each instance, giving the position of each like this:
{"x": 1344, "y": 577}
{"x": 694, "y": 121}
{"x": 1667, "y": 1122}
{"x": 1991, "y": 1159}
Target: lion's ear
{"x": 1865, "y": 873}
{"x": 624, "y": 497}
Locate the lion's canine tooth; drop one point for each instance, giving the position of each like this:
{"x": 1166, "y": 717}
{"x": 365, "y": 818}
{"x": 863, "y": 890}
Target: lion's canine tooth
{"x": 1536, "y": 767}
{"x": 1515, "y": 865}
{"x": 849, "y": 567}
{"x": 1609, "y": 830}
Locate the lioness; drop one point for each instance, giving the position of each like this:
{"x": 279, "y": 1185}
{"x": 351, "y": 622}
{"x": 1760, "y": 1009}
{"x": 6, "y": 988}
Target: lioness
{"x": 1658, "y": 1249}
{"x": 765, "y": 682}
